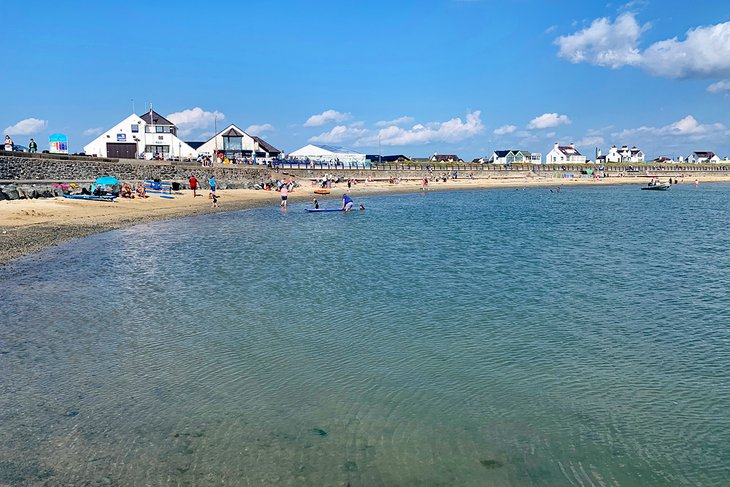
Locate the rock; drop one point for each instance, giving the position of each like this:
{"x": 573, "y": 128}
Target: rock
{"x": 58, "y": 191}
{"x": 3, "y": 196}
{"x": 11, "y": 193}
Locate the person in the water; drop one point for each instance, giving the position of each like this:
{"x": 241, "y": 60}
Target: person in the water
{"x": 346, "y": 202}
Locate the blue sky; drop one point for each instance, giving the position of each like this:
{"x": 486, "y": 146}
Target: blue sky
{"x": 447, "y": 76}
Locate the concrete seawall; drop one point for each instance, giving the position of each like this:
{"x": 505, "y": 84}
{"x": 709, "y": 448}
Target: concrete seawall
{"x": 19, "y": 168}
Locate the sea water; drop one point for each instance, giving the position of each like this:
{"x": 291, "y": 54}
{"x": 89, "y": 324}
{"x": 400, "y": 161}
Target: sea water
{"x": 506, "y": 337}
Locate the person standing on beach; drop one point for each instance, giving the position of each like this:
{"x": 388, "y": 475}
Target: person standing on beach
{"x": 32, "y": 146}
{"x": 284, "y": 195}
{"x": 194, "y": 186}
{"x": 8, "y": 143}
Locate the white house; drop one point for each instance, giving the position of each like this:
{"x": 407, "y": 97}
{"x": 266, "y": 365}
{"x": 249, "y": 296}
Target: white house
{"x": 561, "y": 154}
{"x": 327, "y": 153}
{"x": 234, "y": 143}
{"x": 145, "y": 135}
{"x": 509, "y": 156}
{"x": 703, "y": 157}
{"x": 624, "y": 154}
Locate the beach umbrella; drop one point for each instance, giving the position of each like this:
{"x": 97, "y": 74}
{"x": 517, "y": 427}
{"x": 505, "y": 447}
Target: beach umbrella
{"x": 107, "y": 181}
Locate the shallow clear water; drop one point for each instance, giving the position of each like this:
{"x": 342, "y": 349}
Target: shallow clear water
{"x": 522, "y": 338}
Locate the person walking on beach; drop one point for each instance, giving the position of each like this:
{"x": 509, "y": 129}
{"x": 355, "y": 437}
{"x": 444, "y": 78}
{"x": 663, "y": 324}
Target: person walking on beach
{"x": 211, "y": 181}
{"x": 32, "y": 146}
{"x": 8, "y": 143}
{"x": 284, "y": 195}
{"x": 215, "y": 200}
{"x": 346, "y": 202}
{"x": 194, "y": 186}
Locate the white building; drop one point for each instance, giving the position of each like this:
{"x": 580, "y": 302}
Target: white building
{"x": 327, "y": 153}
{"x": 515, "y": 156}
{"x": 703, "y": 157}
{"x": 624, "y": 154}
{"x": 562, "y": 154}
{"x": 145, "y": 135}
{"x": 234, "y": 143}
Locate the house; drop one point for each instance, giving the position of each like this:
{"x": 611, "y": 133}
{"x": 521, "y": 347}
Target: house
{"x": 703, "y": 157}
{"x": 445, "y": 158}
{"x": 561, "y": 154}
{"x": 327, "y": 153}
{"x": 624, "y": 154}
{"x": 376, "y": 158}
{"x": 234, "y": 143}
{"x": 509, "y": 156}
{"x": 663, "y": 160}
{"x": 146, "y": 135}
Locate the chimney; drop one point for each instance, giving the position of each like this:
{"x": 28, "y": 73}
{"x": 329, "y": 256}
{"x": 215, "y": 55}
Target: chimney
{"x": 572, "y": 145}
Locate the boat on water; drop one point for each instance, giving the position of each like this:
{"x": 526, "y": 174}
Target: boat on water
{"x": 657, "y": 187}
{"x": 321, "y": 191}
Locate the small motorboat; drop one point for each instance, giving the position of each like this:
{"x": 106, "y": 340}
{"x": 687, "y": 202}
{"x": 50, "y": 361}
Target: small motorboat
{"x": 657, "y": 186}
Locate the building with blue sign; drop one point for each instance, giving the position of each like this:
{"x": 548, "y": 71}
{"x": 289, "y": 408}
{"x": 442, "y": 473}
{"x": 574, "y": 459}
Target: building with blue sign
{"x": 145, "y": 136}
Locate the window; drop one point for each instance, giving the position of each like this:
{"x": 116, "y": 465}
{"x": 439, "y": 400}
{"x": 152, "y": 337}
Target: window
{"x": 164, "y": 149}
{"x": 135, "y": 128}
{"x": 160, "y": 129}
{"x": 232, "y": 143}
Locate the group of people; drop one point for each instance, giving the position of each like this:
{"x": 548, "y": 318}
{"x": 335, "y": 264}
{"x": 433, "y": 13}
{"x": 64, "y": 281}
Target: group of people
{"x": 127, "y": 192}
{"x": 10, "y": 146}
{"x": 195, "y": 185}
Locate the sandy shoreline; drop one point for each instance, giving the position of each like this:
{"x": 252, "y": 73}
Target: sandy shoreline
{"x": 28, "y": 226}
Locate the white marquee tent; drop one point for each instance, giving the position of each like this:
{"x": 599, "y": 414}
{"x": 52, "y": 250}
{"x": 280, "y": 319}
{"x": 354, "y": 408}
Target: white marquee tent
{"x": 327, "y": 153}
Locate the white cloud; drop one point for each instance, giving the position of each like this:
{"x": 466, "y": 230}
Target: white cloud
{"x": 504, "y": 130}
{"x": 687, "y": 127}
{"x": 547, "y": 120}
{"x": 590, "y": 141}
{"x": 453, "y": 130}
{"x": 29, "y": 126}
{"x": 259, "y": 129}
{"x": 704, "y": 53}
{"x": 326, "y": 117}
{"x": 194, "y": 119}
{"x": 339, "y": 134}
{"x": 397, "y": 121}
{"x": 93, "y": 131}
{"x": 604, "y": 43}
{"x": 720, "y": 86}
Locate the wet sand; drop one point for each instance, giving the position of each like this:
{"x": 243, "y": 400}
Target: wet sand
{"x": 27, "y": 226}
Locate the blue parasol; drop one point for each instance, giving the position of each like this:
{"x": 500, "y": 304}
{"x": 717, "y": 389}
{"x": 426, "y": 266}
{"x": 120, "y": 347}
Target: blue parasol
{"x": 107, "y": 181}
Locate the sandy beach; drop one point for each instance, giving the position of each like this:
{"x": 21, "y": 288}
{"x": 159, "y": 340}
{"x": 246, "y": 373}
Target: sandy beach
{"x": 27, "y": 226}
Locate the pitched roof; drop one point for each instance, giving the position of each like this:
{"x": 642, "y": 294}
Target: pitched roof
{"x": 232, "y": 132}
{"x": 703, "y": 154}
{"x": 266, "y": 146}
{"x": 195, "y": 145}
{"x": 336, "y": 149}
{"x": 157, "y": 119}
{"x": 569, "y": 150}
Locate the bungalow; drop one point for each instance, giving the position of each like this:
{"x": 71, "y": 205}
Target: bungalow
{"x": 234, "y": 143}
{"x": 702, "y": 157}
{"x": 509, "y": 156}
{"x": 663, "y": 160}
{"x": 561, "y": 154}
{"x": 147, "y": 135}
{"x": 445, "y": 158}
{"x": 375, "y": 158}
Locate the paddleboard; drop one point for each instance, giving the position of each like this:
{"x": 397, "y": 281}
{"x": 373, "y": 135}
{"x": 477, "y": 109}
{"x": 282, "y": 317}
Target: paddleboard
{"x": 322, "y": 210}
{"x": 321, "y": 191}
{"x": 90, "y": 197}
